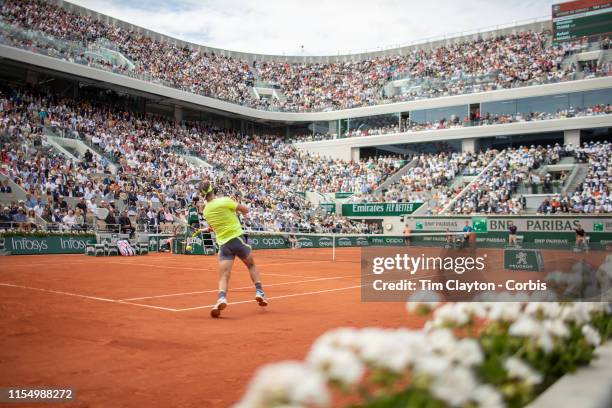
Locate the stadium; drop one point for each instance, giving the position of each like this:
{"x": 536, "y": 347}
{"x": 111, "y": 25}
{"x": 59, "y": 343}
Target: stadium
{"x": 426, "y": 225}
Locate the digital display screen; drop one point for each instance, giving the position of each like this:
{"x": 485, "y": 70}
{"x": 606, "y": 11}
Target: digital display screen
{"x": 581, "y": 18}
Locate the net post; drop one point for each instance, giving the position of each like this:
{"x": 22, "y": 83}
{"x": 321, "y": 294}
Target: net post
{"x": 333, "y": 247}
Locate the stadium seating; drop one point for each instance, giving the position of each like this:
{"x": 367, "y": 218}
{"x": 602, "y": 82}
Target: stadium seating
{"x": 263, "y": 171}
{"x": 520, "y": 59}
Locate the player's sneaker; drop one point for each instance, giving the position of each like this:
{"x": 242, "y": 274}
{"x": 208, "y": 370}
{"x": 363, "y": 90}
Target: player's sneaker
{"x": 218, "y": 307}
{"x": 260, "y": 297}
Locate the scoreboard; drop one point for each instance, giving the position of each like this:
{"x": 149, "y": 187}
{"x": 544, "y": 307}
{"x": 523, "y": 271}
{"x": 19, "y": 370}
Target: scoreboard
{"x": 581, "y": 18}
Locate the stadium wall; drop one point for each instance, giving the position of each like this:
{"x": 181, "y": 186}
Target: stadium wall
{"x": 348, "y": 148}
{"x": 536, "y": 231}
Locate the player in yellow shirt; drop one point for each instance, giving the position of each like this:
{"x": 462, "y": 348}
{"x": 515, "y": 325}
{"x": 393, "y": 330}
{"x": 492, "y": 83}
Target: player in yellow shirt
{"x": 220, "y": 213}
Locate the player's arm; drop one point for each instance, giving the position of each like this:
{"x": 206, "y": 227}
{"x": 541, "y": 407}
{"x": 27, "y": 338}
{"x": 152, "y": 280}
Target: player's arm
{"x": 234, "y": 206}
{"x": 243, "y": 209}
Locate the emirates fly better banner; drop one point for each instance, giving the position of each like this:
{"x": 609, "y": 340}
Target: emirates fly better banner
{"x": 379, "y": 209}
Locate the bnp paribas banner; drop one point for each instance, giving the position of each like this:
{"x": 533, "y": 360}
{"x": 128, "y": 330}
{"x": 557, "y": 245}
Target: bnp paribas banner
{"x": 379, "y": 209}
{"x": 537, "y": 229}
{"x": 25, "y": 245}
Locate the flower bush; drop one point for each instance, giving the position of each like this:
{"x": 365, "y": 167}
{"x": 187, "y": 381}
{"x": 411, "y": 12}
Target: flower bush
{"x": 481, "y": 354}
{"x": 45, "y": 234}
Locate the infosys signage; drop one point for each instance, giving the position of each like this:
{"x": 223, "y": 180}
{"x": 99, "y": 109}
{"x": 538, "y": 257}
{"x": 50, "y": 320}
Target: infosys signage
{"x": 379, "y": 209}
{"x": 24, "y": 245}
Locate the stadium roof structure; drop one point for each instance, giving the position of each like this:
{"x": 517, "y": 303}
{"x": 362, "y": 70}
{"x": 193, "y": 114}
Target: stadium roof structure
{"x": 534, "y": 24}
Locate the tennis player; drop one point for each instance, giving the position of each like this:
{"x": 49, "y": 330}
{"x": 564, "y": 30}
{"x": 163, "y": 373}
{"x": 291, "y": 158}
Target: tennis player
{"x": 220, "y": 213}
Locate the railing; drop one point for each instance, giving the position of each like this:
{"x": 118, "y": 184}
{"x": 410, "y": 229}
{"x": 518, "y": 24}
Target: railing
{"x": 73, "y": 134}
{"x": 66, "y": 48}
{"x": 470, "y": 184}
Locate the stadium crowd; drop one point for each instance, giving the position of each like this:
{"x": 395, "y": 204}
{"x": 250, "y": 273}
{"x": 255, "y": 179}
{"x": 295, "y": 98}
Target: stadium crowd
{"x": 179, "y": 67}
{"x": 429, "y": 179}
{"x": 433, "y": 179}
{"x": 593, "y": 195}
{"x": 503, "y": 62}
{"x": 147, "y": 175}
{"x": 148, "y": 183}
{"x": 524, "y": 58}
{"x": 495, "y": 190}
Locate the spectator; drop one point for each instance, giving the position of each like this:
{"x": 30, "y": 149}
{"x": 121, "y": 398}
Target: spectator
{"x": 126, "y": 224}
{"x": 4, "y": 187}
{"x": 20, "y": 220}
{"x": 69, "y": 221}
{"x": 6, "y": 220}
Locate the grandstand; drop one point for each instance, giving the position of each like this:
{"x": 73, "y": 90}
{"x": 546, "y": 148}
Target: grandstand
{"x": 107, "y": 128}
{"x": 459, "y": 116}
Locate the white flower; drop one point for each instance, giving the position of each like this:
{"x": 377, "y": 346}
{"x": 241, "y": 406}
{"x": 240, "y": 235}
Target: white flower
{"x": 525, "y": 326}
{"x": 478, "y": 309}
{"x": 505, "y": 311}
{"x": 440, "y": 340}
{"x": 486, "y": 396}
{"x": 388, "y": 349}
{"x": 431, "y": 365}
{"x": 605, "y": 307}
{"x": 581, "y": 267}
{"x": 597, "y": 307}
{"x": 287, "y": 383}
{"x": 520, "y": 370}
{"x": 556, "y": 327}
{"x": 451, "y": 314}
{"x": 468, "y": 352}
{"x": 343, "y": 337}
{"x": 578, "y": 313}
{"x": 423, "y": 299}
{"x": 591, "y": 335}
{"x": 454, "y": 386}
{"x": 545, "y": 342}
{"x": 550, "y": 310}
{"x": 335, "y": 363}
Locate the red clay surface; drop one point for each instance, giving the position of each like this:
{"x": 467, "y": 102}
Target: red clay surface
{"x": 64, "y": 323}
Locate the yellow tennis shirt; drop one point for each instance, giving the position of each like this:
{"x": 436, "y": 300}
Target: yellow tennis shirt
{"x": 220, "y": 214}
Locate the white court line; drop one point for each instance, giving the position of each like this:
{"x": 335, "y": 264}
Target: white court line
{"x": 59, "y": 292}
{"x": 199, "y": 268}
{"x": 274, "y": 297}
{"x": 202, "y": 268}
{"x": 298, "y": 294}
{"x": 169, "y": 309}
{"x": 244, "y": 287}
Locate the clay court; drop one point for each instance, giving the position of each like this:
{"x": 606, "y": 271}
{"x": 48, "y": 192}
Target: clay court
{"x": 136, "y": 331}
